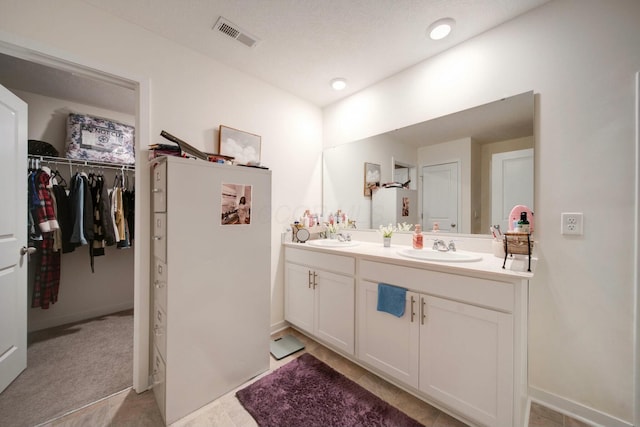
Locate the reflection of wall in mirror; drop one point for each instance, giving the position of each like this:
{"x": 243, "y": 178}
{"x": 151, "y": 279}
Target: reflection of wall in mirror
{"x": 342, "y": 181}
{"x": 393, "y": 206}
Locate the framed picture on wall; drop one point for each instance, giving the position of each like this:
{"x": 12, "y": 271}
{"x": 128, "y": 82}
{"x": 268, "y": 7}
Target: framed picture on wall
{"x": 244, "y": 147}
{"x": 371, "y": 178}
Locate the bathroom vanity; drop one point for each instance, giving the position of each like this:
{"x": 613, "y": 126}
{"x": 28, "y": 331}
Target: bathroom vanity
{"x": 461, "y": 343}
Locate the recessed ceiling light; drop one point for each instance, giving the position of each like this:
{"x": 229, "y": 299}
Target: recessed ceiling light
{"x": 441, "y": 28}
{"x": 338, "y": 84}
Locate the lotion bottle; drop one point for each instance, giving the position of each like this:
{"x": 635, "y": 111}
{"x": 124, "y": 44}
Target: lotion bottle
{"x": 523, "y": 224}
{"x": 417, "y": 237}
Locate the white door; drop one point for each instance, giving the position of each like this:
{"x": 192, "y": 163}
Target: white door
{"x": 13, "y": 237}
{"x": 440, "y": 197}
{"x": 511, "y": 184}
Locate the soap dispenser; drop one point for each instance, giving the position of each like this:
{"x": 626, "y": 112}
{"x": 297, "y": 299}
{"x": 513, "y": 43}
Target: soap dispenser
{"x": 523, "y": 224}
{"x": 417, "y": 237}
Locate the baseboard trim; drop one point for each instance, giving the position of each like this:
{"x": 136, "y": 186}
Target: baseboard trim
{"x": 574, "y": 409}
{"x": 277, "y": 327}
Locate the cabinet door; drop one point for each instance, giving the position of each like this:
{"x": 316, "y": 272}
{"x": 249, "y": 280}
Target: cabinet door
{"x": 387, "y": 342}
{"x": 334, "y": 309}
{"x": 466, "y": 359}
{"x": 298, "y": 296}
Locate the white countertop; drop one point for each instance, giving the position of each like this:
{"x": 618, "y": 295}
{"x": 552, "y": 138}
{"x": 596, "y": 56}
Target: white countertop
{"x": 489, "y": 265}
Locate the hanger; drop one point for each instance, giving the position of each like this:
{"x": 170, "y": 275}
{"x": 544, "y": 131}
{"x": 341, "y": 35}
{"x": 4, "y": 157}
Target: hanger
{"x": 61, "y": 180}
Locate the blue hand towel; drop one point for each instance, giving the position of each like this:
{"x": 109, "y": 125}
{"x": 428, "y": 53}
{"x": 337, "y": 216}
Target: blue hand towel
{"x": 391, "y": 299}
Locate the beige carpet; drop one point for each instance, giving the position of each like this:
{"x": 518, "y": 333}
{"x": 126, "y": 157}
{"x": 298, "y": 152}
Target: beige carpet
{"x": 69, "y": 367}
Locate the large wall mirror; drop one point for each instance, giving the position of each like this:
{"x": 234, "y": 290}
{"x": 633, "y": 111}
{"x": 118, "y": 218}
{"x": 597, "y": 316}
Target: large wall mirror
{"x": 464, "y": 171}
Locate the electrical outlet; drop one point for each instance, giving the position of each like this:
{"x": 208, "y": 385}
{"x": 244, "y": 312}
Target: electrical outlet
{"x": 571, "y": 223}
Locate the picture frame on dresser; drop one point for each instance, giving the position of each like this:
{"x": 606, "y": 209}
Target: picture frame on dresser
{"x": 245, "y": 147}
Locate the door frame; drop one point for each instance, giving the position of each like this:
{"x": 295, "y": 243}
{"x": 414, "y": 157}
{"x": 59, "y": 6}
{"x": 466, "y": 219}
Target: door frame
{"x": 53, "y": 58}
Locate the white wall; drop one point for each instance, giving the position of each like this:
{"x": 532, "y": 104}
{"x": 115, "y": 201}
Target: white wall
{"x": 580, "y": 58}
{"x": 82, "y": 294}
{"x": 191, "y": 95}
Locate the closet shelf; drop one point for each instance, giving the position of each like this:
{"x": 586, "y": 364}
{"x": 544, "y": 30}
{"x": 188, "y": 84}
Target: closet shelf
{"x": 75, "y": 162}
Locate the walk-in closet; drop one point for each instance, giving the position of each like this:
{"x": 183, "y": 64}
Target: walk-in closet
{"x": 80, "y": 323}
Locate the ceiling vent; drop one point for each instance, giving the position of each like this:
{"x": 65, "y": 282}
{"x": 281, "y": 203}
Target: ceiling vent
{"x": 230, "y": 29}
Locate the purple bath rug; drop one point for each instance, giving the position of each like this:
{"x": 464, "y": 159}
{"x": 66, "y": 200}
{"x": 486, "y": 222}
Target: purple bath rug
{"x": 306, "y": 393}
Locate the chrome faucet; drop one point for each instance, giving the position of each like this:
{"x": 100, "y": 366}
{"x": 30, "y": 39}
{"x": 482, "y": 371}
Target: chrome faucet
{"x": 344, "y": 237}
{"x": 452, "y": 246}
{"x": 440, "y": 245}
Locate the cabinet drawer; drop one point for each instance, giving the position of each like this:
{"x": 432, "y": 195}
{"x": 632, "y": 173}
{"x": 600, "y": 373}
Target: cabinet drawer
{"x": 488, "y": 293}
{"x": 159, "y": 380}
{"x": 160, "y": 330}
{"x": 160, "y": 236}
{"x": 159, "y": 187}
{"x": 330, "y": 262}
{"x": 160, "y": 283}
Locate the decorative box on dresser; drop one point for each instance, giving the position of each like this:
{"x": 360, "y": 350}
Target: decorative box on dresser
{"x": 211, "y": 281}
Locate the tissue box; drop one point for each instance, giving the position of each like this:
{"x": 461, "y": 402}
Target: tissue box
{"x": 97, "y": 139}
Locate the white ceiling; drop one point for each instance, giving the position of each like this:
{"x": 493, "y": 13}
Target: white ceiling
{"x": 306, "y": 43}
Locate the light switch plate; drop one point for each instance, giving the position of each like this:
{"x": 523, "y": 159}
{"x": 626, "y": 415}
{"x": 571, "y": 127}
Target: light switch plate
{"x": 571, "y": 223}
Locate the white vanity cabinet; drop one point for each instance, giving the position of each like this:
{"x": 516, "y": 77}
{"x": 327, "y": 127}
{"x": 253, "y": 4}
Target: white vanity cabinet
{"x": 455, "y": 342}
{"x": 320, "y": 296}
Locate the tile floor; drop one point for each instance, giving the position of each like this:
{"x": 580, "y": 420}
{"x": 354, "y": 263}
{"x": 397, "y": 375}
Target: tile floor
{"x": 130, "y": 409}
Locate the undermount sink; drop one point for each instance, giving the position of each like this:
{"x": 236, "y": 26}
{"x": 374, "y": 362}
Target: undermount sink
{"x": 431, "y": 255}
{"x": 332, "y": 243}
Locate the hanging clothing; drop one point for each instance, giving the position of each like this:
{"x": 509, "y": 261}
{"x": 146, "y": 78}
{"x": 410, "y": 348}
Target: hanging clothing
{"x": 47, "y": 258}
{"x": 81, "y": 209}
{"x": 46, "y": 217}
{"x": 64, "y": 216}
{"x": 104, "y": 207}
{"x": 128, "y": 203}
{"x": 47, "y": 273}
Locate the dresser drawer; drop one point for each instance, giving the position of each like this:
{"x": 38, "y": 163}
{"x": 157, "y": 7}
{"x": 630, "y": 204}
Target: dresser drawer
{"x": 160, "y": 330}
{"x": 160, "y": 236}
{"x": 159, "y": 380}
{"x": 160, "y": 283}
{"x": 159, "y": 187}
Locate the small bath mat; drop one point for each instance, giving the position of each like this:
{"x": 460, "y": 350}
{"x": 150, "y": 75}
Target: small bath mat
{"x": 284, "y": 346}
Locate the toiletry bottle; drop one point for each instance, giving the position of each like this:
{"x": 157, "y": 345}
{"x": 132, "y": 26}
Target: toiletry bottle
{"x": 417, "y": 237}
{"x": 436, "y": 227}
{"x": 523, "y": 224}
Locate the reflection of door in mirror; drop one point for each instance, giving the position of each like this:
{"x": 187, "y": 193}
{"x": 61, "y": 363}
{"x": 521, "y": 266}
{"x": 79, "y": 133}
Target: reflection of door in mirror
{"x": 440, "y": 197}
{"x": 511, "y": 184}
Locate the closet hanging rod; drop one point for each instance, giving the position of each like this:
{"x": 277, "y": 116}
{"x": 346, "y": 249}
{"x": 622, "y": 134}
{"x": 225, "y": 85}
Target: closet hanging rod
{"x": 74, "y": 162}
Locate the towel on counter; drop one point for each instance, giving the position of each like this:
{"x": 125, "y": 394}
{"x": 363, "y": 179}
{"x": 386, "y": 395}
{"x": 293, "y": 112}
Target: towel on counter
{"x": 391, "y": 299}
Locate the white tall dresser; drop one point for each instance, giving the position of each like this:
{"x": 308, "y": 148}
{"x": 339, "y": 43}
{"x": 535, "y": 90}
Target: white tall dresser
{"x": 211, "y": 281}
